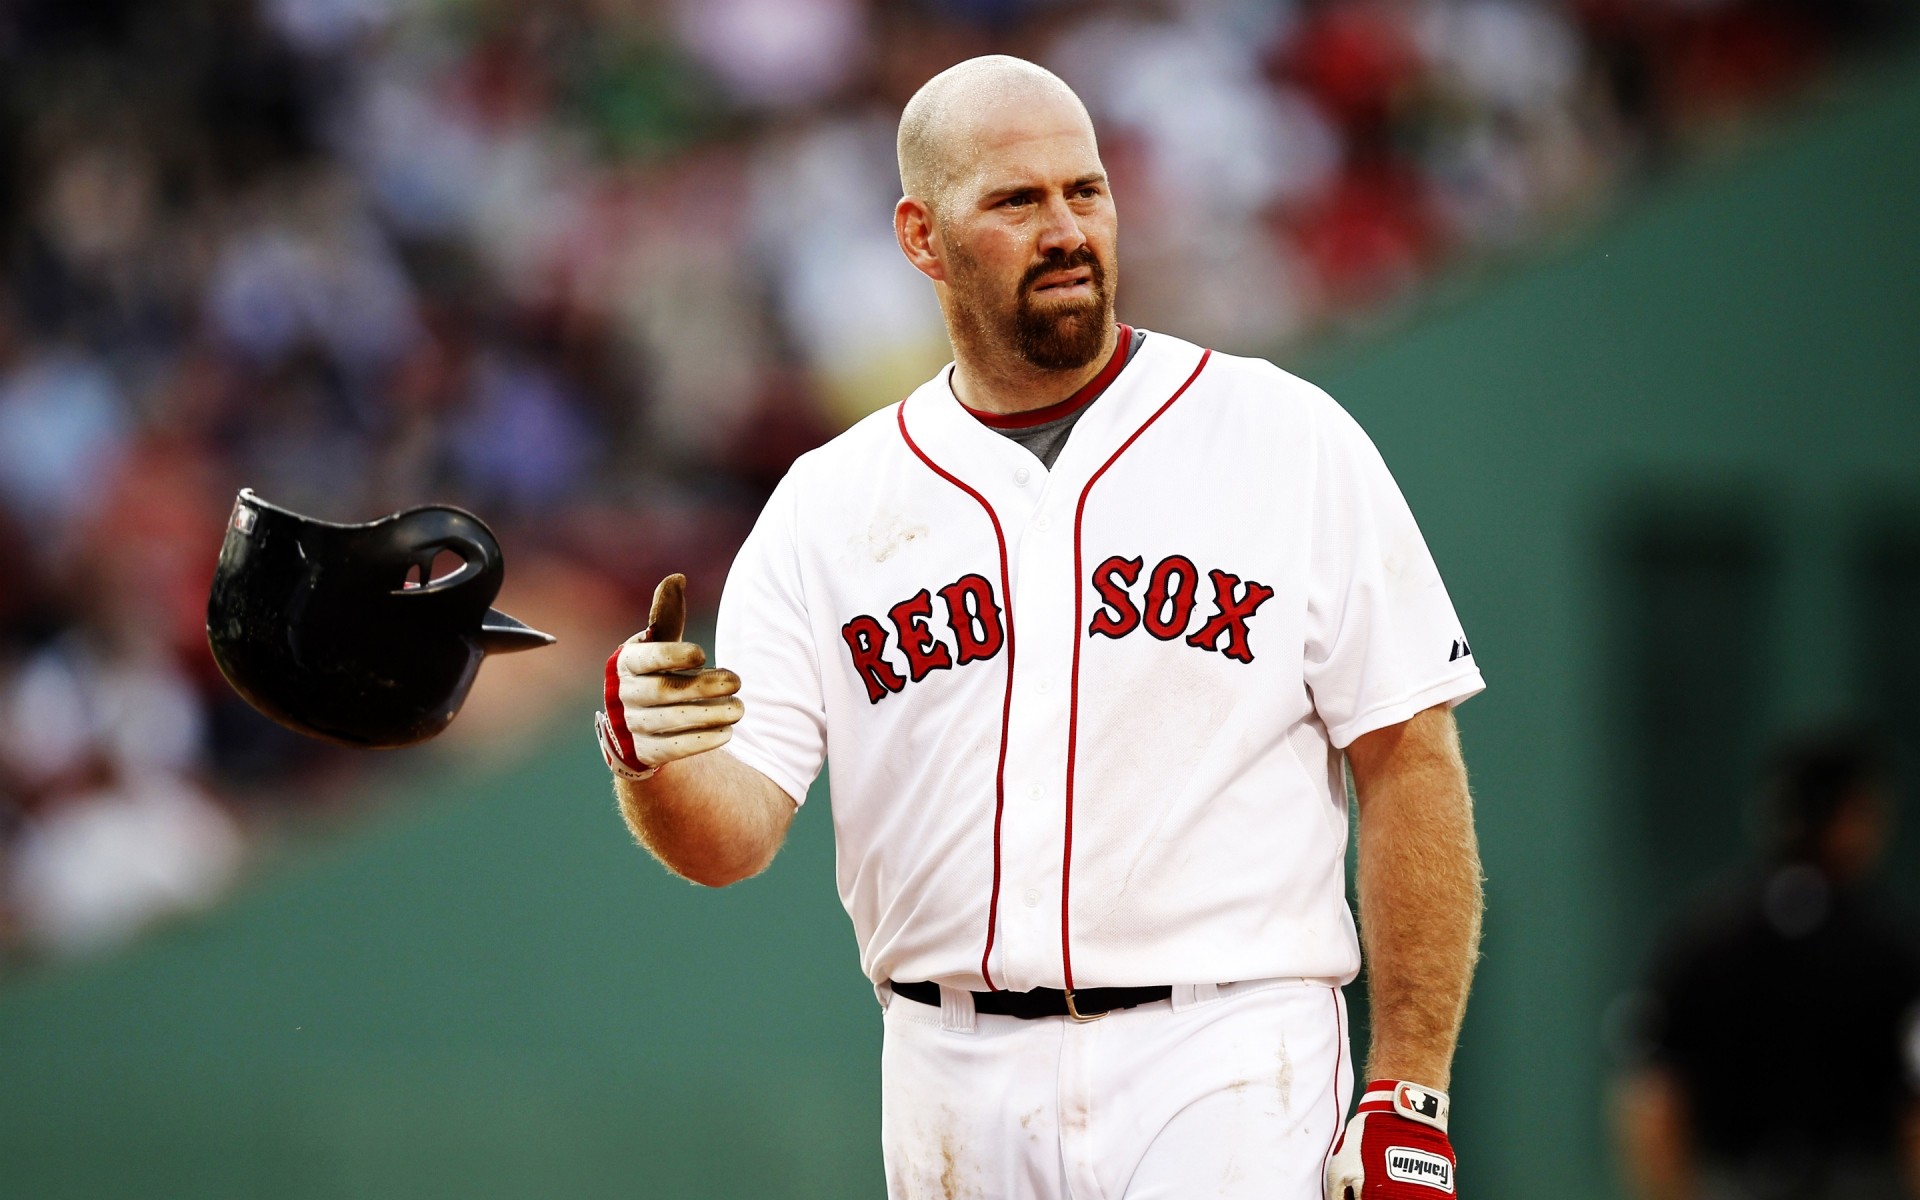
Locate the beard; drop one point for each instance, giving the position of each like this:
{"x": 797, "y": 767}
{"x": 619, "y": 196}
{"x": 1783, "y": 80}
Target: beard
{"x": 1051, "y": 335}
{"x": 1063, "y": 335}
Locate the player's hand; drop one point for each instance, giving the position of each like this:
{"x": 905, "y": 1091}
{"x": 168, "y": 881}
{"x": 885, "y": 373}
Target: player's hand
{"x": 660, "y": 704}
{"x": 1395, "y": 1147}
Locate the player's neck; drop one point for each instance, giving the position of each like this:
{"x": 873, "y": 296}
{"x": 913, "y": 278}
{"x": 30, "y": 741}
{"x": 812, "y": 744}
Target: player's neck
{"x": 1001, "y": 383}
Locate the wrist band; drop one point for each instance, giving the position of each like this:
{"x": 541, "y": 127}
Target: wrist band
{"x": 1409, "y": 1100}
{"x": 616, "y": 760}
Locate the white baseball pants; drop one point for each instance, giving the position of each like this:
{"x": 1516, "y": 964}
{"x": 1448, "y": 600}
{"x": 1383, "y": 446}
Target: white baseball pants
{"x": 1236, "y": 1090}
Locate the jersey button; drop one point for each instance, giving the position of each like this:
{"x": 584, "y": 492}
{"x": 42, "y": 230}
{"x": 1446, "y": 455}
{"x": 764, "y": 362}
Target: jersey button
{"x": 1033, "y": 793}
{"x": 1021, "y": 476}
{"x": 1041, "y": 523}
{"x": 1032, "y": 897}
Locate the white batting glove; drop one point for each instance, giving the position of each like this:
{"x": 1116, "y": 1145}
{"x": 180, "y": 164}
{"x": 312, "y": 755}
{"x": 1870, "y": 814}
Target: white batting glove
{"x": 660, "y": 706}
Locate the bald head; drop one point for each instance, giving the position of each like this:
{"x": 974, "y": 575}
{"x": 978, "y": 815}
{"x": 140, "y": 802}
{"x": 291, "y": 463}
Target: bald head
{"x": 959, "y": 116}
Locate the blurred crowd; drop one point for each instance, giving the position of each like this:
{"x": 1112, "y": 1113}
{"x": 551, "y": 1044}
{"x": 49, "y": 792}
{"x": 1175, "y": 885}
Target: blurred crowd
{"x": 599, "y": 269}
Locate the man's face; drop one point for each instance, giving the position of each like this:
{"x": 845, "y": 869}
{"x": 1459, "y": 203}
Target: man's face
{"x": 1028, "y": 233}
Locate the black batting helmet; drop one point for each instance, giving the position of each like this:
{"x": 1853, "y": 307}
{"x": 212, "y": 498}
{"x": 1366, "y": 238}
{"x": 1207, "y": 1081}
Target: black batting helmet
{"x": 341, "y": 632}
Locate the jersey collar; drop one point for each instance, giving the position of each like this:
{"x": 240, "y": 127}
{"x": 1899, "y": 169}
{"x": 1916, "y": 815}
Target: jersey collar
{"x": 988, "y": 460}
{"x": 1088, "y": 393}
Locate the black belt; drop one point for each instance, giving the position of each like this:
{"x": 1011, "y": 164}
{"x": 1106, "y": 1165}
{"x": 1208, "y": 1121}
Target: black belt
{"x": 1086, "y": 1004}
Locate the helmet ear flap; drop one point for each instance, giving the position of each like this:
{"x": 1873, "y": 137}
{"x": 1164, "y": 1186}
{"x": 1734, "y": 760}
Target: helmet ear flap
{"x": 342, "y": 633}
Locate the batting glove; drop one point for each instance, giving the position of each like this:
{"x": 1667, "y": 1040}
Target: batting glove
{"x": 660, "y": 706}
{"x": 1395, "y": 1147}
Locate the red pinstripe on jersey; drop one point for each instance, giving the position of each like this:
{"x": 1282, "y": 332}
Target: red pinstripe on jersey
{"x": 1079, "y": 638}
{"x": 1006, "y": 706}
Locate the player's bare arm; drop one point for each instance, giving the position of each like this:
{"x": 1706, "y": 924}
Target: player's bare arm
{"x": 703, "y": 813}
{"x": 1420, "y": 895}
{"x": 709, "y": 818}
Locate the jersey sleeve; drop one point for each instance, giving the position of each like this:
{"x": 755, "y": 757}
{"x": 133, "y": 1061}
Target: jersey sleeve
{"x": 1382, "y": 641}
{"x": 764, "y": 636}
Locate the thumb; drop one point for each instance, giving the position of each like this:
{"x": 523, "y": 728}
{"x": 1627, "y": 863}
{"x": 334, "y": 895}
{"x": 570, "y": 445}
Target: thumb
{"x": 667, "y": 620}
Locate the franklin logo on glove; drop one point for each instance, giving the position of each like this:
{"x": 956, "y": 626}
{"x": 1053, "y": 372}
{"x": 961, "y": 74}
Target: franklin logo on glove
{"x": 1417, "y": 1166}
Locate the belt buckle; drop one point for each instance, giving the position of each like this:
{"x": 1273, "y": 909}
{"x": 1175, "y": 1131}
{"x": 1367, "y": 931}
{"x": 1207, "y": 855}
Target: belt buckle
{"x": 1080, "y": 1017}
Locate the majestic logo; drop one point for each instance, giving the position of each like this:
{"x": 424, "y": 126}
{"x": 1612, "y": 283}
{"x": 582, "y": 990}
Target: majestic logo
{"x": 1460, "y": 650}
{"x": 1407, "y": 1165}
{"x": 972, "y": 616}
{"x": 1167, "y": 604}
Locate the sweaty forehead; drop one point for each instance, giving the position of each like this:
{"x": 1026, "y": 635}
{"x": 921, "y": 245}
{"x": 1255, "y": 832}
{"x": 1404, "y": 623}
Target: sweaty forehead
{"x": 1017, "y": 137}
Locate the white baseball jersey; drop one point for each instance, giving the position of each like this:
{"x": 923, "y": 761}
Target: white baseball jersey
{"x": 1083, "y": 725}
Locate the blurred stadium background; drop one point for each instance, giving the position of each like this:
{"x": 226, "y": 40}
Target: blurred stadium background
{"x": 1628, "y": 291}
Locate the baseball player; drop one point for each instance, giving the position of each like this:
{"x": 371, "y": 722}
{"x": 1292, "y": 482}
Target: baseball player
{"x": 1086, "y": 628}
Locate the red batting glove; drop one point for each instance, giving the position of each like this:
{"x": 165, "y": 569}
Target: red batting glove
{"x": 1395, "y": 1147}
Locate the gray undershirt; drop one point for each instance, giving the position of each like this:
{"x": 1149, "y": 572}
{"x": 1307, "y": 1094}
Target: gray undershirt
{"x": 1046, "y": 440}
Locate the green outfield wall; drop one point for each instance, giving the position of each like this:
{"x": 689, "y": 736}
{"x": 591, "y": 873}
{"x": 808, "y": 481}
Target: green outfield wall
{"x": 1672, "y": 475}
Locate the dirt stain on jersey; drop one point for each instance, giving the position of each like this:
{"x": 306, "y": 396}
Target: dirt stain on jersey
{"x": 949, "y": 1172}
{"x": 884, "y": 538}
{"x": 949, "y": 1146}
{"x": 1283, "y": 1078}
{"x": 1030, "y": 1121}
{"x": 1231, "y": 1177}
